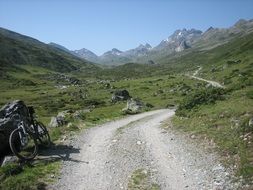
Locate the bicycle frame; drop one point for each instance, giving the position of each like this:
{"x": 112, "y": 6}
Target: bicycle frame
{"x": 22, "y": 134}
{"x": 31, "y": 118}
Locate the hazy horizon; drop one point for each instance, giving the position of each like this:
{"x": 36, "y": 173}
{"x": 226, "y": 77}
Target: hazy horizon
{"x": 100, "y": 26}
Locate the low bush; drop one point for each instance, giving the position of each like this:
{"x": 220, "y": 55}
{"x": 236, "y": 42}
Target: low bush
{"x": 204, "y": 96}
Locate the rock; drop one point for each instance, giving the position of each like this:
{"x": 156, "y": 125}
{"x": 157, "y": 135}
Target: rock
{"x": 60, "y": 119}
{"x": 138, "y": 142}
{"x": 53, "y": 122}
{"x": 230, "y": 62}
{"x": 64, "y": 138}
{"x": 219, "y": 167}
{"x": 251, "y": 122}
{"x": 148, "y": 105}
{"x": 193, "y": 136}
{"x": 151, "y": 62}
{"x": 57, "y": 121}
{"x": 80, "y": 114}
{"x": 63, "y": 117}
{"x": 11, "y": 115}
{"x": 133, "y": 106}
{"x": 208, "y": 85}
{"x": 107, "y": 85}
{"x": 9, "y": 160}
{"x": 170, "y": 105}
{"x": 120, "y": 95}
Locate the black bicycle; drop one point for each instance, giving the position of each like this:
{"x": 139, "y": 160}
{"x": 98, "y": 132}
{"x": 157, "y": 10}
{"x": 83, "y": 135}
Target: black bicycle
{"x": 25, "y": 138}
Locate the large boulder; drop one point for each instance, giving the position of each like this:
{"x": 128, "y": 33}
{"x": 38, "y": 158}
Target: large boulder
{"x": 120, "y": 95}
{"x": 133, "y": 106}
{"x": 11, "y": 115}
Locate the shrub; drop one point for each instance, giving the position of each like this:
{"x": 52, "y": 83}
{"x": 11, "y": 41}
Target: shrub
{"x": 249, "y": 94}
{"x": 206, "y": 96}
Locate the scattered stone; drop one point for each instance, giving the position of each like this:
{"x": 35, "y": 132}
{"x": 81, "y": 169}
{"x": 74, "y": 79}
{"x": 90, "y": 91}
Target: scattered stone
{"x": 138, "y": 142}
{"x": 230, "y": 62}
{"x": 79, "y": 114}
{"x": 64, "y": 138}
{"x": 9, "y": 160}
{"x": 60, "y": 119}
{"x": 133, "y": 106}
{"x": 145, "y": 172}
{"x": 120, "y": 95}
{"x": 251, "y": 122}
{"x": 193, "y": 136}
{"x": 218, "y": 168}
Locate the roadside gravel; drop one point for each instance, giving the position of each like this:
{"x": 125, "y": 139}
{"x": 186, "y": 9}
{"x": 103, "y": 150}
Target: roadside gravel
{"x": 110, "y": 153}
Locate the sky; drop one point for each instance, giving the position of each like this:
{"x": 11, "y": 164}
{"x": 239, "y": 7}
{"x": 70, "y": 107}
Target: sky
{"x": 100, "y": 25}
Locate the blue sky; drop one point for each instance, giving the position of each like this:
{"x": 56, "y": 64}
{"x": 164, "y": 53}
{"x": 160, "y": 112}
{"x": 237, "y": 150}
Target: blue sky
{"x": 100, "y": 25}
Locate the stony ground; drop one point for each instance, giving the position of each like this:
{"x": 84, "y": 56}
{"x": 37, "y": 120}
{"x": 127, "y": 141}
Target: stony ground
{"x": 109, "y": 154}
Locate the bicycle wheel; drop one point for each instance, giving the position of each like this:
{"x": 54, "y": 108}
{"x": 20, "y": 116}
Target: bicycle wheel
{"x": 24, "y": 146}
{"x": 43, "y": 134}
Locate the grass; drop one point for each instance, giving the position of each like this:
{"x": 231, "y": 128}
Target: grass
{"x": 226, "y": 123}
{"x": 163, "y": 85}
{"x": 28, "y": 177}
{"x": 91, "y": 94}
{"x": 140, "y": 180}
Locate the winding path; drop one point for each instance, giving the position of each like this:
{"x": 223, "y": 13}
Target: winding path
{"x": 213, "y": 83}
{"x": 110, "y": 153}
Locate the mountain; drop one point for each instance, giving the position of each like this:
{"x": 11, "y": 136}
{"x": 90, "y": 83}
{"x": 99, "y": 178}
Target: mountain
{"x": 59, "y": 47}
{"x": 179, "y": 41}
{"x": 174, "y": 45}
{"x": 17, "y": 49}
{"x": 141, "y": 50}
{"x": 113, "y": 52}
{"x": 86, "y": 54}
{"x": 82, "y": 53}
{"x": 214, "y": 37}
{"x": 113, "y": 57}
{"x": 182, "y": 40}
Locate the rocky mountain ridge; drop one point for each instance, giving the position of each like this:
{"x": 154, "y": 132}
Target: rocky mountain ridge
{"x": 179, "y": 41}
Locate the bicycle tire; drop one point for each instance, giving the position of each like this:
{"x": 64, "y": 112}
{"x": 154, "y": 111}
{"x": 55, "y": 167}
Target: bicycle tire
{"x": 43, "y": 135}
{"x": 16, "y": 148}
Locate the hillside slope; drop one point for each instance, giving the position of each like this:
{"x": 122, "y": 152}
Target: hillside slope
{"x": 17, "y": 49}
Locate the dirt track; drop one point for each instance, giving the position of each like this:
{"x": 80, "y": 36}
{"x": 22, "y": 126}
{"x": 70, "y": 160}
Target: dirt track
{"x": 213, "y": 83}
{"x": 110, "y": 153}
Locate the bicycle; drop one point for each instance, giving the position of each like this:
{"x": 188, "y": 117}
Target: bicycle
{"x": 24, "y": 139}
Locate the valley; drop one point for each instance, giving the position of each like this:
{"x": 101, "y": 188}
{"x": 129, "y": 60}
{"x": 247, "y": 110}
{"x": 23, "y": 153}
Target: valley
{"x": 213, "y": 105}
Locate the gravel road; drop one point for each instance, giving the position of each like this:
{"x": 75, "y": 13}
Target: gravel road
{"x": 213, "y": 83}
{"x": 110, "y": 153}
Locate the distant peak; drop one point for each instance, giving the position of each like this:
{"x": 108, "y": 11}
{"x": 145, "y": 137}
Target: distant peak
{"x": 116, "y": 50}
{"x": 184, "y": 31}
{"x": 241, "y": 22}
{"x": 210, "y": 29}
{"x": 147, "y": 46}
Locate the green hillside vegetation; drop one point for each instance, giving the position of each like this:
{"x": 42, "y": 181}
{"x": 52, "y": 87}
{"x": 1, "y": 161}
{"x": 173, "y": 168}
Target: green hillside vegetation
{"x": 40, "y": 75}
{"x": 18, "y": 49}
{"x": 223, "y": 115}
